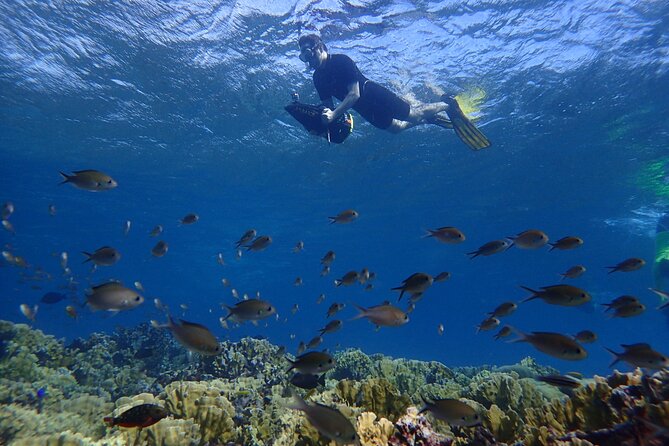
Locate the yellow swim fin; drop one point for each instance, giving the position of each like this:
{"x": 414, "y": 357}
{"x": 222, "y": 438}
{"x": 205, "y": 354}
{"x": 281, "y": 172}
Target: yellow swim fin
{"x": 464, "y": 128}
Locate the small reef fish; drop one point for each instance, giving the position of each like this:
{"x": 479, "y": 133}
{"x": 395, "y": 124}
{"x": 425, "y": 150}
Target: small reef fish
{"x": 573, "y": 272}
{"x": 585, "y": 337}
{"x": 331, "y": 327}
{"x": 250, "y": 310}
{"x": 312, "y": 363}
{"x": 314, "y": 342}
{"x": 189, "y": 219}
{"x": 369, "y": 287}
{"x": 565, "y": 381}
{"x": 640, "y": 355}
{"x": 141, "y": 416}
{"x": 39, "y": 396}
{"x": 246, "y": 237}
{"x": 194, "y": 337}
{"x": 29, "y": 312}
{"x": 530, "y": 239}
{"x": 565, "y": 295}
{"x": 629, "y": 310}
{"x": 219, "y": 259}
{"x": 52, "y": 210}
{"x": 384, "y": 315}
{"x": 554, "y": 344}
{"x": 238, "y": 254}
{"x": 328, "y": 258}
{"x": 349, "y": 278}
{"x": 156, "y": 231}
{"x": 225, "y": 282}
{"x": 664, "y": 298}
{"x": 503, "y": 332}
{"x": 105, "y": 256}
{"x": 504, "y": 309}
{"x": 301, "y": 348}
{"x": 259, "y": 243}
{"x": 343, "y": 217}
{"x": 440, "y": 329}
{"x": 325, "y": 271}
{"x": 8, "y": 226}
{"x": 72, "y": 312}
{"x": 7, "y": 210}
{"x": 298, "y": 281}
{"x": 160, "y": 306}
{"x": 113, "y": 296}
{"x": 138, "y": 286}
{"x": 299, "y": 246}
{"x": 446, "y": 234}
{"x": 307, "y": 381}
{"x": 490, "y": 248}
{"x": 620, "y": 302}
{"x": 363, "y": 276}
{"x": 628, "y": 265}
{"x": 91, "y": 180}
{"x": 335, "y": 308}
{"x": 160, "y": 249}
{"x": 569, "y": 242}
{"x": 442, "y": 276}
{"x": 452, "y": 411}
{"x": 328, "y": 421}
{"x": 295, "y": 309}
{"x": 321, "y": 298}
{"x": 52, "y": 298}
{"x": 416, "y": 283}
{"x": 126, "y": 227}
{"x": 487, "y": 324}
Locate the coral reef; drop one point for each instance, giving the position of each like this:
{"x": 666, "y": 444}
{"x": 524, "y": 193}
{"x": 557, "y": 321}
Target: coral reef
{"x": 414, "y": 428}
{"x": 377, "y": 395}
{"x": 241, "y": 397}
{"x": 373, "y": 431}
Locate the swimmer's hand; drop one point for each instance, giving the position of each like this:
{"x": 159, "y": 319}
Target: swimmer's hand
{"x": 327, "y": 116}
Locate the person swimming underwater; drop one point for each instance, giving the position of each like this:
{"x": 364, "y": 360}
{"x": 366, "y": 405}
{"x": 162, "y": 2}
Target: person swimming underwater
{"x": 336, "y": 75}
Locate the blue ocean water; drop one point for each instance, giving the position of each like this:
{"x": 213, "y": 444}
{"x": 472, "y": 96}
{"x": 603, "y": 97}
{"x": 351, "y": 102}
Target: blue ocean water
{"x": 182, "y": 103}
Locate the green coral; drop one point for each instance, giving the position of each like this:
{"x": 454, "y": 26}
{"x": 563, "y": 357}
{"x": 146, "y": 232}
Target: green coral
{"x": 408, "y": 376}
{"x": 376, "y": 395}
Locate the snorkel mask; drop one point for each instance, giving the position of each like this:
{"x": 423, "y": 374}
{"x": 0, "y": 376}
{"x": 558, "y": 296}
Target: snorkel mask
{"x": 307, "y": 53}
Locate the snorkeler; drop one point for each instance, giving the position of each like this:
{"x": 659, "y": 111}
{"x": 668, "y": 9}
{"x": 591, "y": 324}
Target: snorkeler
{"x": 336, "y": 75}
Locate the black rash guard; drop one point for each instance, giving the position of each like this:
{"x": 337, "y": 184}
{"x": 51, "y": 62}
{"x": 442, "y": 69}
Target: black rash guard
{"x": 376, "y": 104}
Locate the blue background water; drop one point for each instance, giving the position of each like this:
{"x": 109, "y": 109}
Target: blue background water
{"x": 181, "y": 102}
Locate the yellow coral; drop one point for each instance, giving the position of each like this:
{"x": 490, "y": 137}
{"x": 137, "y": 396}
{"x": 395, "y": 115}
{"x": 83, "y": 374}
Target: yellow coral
{"x": 202, "y": 401}
{"x": 373, "y": 432}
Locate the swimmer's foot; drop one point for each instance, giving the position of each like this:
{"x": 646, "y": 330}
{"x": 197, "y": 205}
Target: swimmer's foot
{"x": 464, "y": 128}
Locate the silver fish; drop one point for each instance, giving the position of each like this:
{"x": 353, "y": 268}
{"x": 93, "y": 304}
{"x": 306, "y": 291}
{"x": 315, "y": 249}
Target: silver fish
{"x": 245, "y": 238}
{"x": 194, "y": 337}
{"x": 250, "y": 310}
{"x": 113, "y": 296}
{"x": 346, "y": 216}
{"x": 328, "y": 421}
{"x": 452, "y": 411}
{"x": 416, "y": 283}
{"x": 384, "y": 315}
{"x": 105, "y": 256}
{"x": 91, "y": 180}
{"x": 259, "y": 243}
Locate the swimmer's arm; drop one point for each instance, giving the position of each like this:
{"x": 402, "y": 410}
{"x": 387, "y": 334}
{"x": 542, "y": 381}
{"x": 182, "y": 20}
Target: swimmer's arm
{"x": 348, "y": 102}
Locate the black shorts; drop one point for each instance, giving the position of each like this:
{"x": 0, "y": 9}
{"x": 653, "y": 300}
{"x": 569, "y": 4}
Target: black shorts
{"x": 379, "y": 106}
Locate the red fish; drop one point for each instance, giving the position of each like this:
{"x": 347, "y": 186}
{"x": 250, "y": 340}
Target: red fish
{"x": 140, "y": 416}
